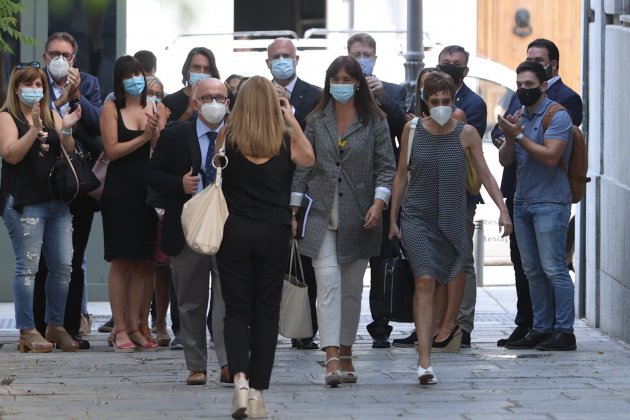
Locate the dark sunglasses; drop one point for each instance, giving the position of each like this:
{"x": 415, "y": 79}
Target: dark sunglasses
{"x": 34, "y": 64}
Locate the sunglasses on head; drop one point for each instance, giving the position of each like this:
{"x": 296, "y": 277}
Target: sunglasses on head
{"x": 34, "y": 64}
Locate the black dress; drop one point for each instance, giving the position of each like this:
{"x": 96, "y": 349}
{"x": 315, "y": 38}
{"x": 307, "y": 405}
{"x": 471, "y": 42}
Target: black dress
{"x": 129, "y": 224}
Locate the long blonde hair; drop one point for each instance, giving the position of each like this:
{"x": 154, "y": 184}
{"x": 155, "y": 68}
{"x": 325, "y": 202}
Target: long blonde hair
{"x": 256, "y": 125}
{"x": 28, "y": 74}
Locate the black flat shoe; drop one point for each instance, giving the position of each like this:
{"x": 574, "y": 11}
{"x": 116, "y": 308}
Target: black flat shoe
{"x": 83, "y": 344}
{"x": 408, "y": 341}
{"x": 307, "y": 345}
{"x": 381, "y": 343}
{"x": 519, "y": 333}
{"x": 530, "y": 341}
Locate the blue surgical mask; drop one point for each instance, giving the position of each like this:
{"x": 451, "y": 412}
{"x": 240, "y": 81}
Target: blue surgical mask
{"x": 342, "y": 93}
{"x": 282, "y": 68}
{"x": 367, "y": 65}
{"x": 30, "y": 96}
{"x": 194, "y": 78}
{"x": 134, "y": 85}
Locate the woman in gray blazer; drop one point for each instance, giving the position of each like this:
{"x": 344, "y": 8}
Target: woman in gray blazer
{"x": 350, "y": 185}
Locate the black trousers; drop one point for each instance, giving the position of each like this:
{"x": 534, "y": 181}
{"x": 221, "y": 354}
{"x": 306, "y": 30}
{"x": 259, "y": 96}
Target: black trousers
{"x": 252, "y": 262}
{"x": 82, "y": 210}
{"x": 379, "y": 328}
{"x": 524, "y": 312}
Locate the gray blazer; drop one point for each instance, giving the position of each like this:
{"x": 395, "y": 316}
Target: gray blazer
{"x": 367, "y": 162}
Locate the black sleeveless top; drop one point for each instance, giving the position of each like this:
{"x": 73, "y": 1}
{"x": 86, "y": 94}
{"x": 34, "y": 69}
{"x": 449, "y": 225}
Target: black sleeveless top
{"x": 27, "y": 181}
{"x": 259, "y": 191}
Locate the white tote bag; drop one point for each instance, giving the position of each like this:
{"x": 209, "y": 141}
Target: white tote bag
{"x": 295, "y": 309}
{"x": 204, "y": 215}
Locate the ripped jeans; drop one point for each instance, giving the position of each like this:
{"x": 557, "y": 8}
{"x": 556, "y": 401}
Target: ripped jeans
{"x": 43, "y": 227}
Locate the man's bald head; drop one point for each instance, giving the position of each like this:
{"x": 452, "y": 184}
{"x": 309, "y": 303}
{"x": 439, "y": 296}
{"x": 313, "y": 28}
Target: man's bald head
{"x": 282, "y": 59}
{"x": 210, "y": 86}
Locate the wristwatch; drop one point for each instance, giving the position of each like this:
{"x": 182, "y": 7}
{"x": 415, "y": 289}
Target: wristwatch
{"x": 518, "y": 138}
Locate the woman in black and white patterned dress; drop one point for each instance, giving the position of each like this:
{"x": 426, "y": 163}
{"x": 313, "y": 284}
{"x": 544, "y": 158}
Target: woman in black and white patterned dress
{"x": 433, "y": 212}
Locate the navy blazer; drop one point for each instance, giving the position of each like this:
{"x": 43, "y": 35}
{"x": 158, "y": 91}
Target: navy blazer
{"x": 304, "y": 99}
{"x": 88, "y": 128}
{"x": 474, "y": 107}
{"x": 176, "y": 152}
{"x": 558, "y": 92}
{"x": 393, "y": 105}
{"x": 476, "y": 115}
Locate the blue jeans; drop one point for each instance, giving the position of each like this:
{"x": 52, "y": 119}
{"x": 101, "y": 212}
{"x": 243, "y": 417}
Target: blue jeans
{"x": 43, "y": 227}
{"x": 541, "y": 231}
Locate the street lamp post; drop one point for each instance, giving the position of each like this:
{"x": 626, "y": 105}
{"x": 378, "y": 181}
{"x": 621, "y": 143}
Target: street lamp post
{"x": 415, "y": 50}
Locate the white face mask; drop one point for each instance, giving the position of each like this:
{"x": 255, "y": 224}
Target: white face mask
{"x": 213, "y": 112}
{"x": 441, "y": 114}
{"x": 58, "y": 68}
{"x": 153, "y": 98}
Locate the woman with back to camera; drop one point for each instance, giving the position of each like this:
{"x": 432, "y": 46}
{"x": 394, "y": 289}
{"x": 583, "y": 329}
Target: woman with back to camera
{"x": 30, "y": 140}
{"x": 350, "y": 185}
{"x": 130, "y": 127}
{"x": 433, "y": 211}
{"x": 263, "y": 144}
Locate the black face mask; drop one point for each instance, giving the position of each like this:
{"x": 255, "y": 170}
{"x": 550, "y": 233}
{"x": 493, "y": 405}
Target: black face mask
{"x": 528, "y": 97}
{"x": 456, "y": 73}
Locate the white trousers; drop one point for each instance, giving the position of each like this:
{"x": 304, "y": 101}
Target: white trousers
{"x": 339, "y": 288}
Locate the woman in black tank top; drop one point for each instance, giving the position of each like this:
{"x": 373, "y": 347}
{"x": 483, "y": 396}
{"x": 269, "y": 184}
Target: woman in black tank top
{"x": 30, "y": 140}
{"x": 264, "y": 144}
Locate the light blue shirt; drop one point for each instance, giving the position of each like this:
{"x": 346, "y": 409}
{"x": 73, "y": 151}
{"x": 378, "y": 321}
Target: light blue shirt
{"x": 204, "y": 142}
{"x": 538, "y": 183}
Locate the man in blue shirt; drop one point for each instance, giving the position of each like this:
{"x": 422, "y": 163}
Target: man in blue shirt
{"x": 542, "y": 205}
{"x": 546, "y": 53}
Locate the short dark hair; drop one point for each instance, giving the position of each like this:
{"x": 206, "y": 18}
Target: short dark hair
{"x": 64, "y": 36}
{"x": 552, "y": 49}
{"x": 438, "y": 82}
{"x": 362, "y": 38}
{"x": 453, "y": 49}
{"x": 214, "y": 72}
{"x": 364, "y": 103}
{"x": 535, "y": 67}
{"x": 148, "y": 61}
{"x": 233, "y": 76}
{"x": 125, "y": 67}
{"x": 421, "y": 106}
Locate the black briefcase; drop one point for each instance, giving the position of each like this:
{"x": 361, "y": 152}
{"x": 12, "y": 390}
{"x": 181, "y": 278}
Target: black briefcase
{"x": 398, "y": 287}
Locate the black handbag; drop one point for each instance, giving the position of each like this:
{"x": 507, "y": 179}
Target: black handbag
{"x": 398, "y": 287}
{"x": 72, "y": 175}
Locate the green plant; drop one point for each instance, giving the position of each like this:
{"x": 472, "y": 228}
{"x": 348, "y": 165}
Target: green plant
{"x": 8, "y": 22}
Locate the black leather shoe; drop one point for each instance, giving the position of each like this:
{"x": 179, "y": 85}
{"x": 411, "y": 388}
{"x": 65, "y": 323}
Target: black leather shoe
{"x": 530, "y": 341}
{"x": 107, "y": 327}
{"x": 409, "y": 341}
{"x": 465, "y": 339}
{"x": 381, "y": 343}
{"x": 306, "y": 344}
{"x": 294, "y": 342}
{"x": 83, "y": 344}
{"x": 518, "y": 333}
{"x": 561, "y": 341}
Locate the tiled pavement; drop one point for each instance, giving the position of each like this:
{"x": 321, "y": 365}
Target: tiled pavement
{"x": 484, "y": 382}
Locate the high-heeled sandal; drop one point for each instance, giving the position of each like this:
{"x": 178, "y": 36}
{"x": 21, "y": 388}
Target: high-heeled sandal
{"x": 256, "y": 408}
{"x": 127, "y": 347}
{"x": 451, "y": 345}
{"x": 146, "y": 333}
{"x": 61, "y": 338}
{"x": 148, "y": 346}
{"x": 34, "y": 342}
{"x": 426, "y": 376}
{"x": 348, "y": 376}
{"x": 333, "y": 378}
{"x": 241, "y": 399}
